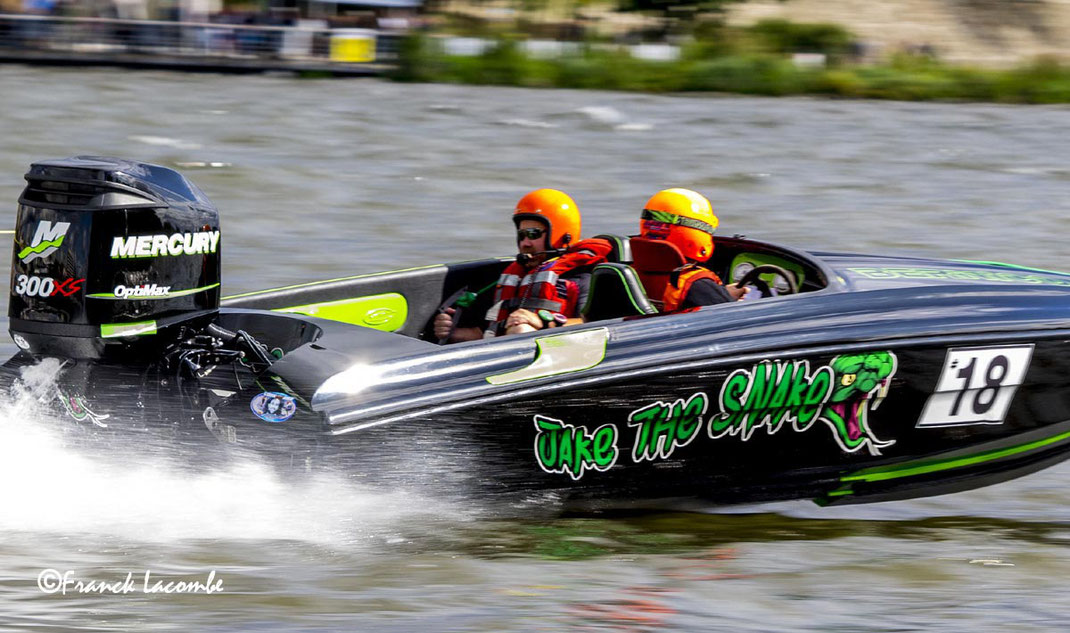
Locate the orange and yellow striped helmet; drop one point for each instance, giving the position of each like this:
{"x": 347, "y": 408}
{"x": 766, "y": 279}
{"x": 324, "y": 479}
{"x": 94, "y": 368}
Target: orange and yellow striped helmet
{"x": 682, "y": 217}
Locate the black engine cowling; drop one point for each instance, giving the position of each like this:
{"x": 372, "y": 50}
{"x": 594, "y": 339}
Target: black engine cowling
{"x": 110, "y": 256}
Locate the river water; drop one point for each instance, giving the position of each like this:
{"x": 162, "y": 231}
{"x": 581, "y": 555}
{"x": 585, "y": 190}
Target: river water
{"x": 324, "y": 178}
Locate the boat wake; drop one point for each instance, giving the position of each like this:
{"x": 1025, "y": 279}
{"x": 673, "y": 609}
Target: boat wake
{"x": 609, "y": 117}
{"x": 52, "y": 485}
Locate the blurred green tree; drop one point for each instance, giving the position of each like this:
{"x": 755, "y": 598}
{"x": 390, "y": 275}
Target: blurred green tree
{"x": 782, "y": 36}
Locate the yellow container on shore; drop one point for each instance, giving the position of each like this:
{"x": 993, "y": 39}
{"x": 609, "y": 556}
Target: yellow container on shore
{"x": 353, "y": 45}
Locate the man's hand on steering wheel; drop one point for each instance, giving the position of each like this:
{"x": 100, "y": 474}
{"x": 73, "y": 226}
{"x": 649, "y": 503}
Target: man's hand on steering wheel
{"x": 753, "y": 278}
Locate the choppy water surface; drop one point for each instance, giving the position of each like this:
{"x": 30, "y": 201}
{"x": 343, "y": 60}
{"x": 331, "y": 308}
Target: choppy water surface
{"x": 319, "y": 179}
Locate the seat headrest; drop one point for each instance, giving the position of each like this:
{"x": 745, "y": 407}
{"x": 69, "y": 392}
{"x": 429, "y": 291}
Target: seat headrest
{"x": 615, "y": 291}
{"x": 656, "y": 256}
{"x": 621, "y": 253}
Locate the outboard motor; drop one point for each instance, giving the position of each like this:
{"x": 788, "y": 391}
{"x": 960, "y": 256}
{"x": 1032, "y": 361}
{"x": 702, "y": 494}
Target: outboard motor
{"x": 111, "y": 259}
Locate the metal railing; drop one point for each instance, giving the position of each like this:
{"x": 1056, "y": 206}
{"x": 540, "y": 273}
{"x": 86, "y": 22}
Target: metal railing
{"x": 207, "y": 41}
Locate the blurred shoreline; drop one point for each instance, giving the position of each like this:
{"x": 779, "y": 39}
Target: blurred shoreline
{"x": 306, "y": 47}
{"x": 979, "y": 33}
{"x": 752, "y": 49}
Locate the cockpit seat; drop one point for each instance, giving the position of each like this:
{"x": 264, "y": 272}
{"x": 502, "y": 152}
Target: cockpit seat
{"x": 654, "y": 261}
{"x": 615, "y": 291}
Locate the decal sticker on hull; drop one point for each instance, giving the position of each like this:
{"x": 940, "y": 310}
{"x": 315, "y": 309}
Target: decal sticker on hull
{"x": 564, "y": 448}
{"x": 770, "y": 394}
{"x": 839, "y": 394}
{"x": 663, "y": 427}
{"x": 981, "y": 276}
{"x": 976, "y": 386}
{"x": 272, "y": 406}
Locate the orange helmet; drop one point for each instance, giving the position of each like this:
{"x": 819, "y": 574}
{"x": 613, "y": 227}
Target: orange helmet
{"x": 556, "y": 209}
{"x": 683, "y": 217}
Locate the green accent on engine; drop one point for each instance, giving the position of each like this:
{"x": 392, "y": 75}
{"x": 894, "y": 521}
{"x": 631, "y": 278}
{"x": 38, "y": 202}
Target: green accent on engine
{"x": 116, "y": 330}
{"x": 923, "y": 467}
{"x": 42, "y": 247}
{"x": 386, "y": 312}
{"x": 169, "y": 295}
{"x": 762, "y": 259}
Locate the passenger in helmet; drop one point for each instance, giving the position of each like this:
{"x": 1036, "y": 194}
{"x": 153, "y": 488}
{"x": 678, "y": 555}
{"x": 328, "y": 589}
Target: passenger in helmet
{"x": 686, "y": 220}
{"x": 547, "y": 284}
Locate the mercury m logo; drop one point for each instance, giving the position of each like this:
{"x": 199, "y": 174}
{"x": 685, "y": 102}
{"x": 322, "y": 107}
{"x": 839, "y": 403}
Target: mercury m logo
{"x": 46, "y": 240}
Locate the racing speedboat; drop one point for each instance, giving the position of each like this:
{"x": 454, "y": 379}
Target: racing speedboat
{"x": 847, "y": 378}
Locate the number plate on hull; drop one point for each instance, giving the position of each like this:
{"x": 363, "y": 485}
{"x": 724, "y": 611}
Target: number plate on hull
{"x": 976, "y": 385}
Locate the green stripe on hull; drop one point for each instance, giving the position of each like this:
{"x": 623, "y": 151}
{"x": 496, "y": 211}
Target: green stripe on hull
{"x": 1014, "y": 266}
{"x": 912, "y": 469}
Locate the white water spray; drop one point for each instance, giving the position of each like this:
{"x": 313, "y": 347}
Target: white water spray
{"x": 50, "y": 487}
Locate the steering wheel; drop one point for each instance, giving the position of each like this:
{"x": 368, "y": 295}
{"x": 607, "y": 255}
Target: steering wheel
{"x": 753, "y": 278}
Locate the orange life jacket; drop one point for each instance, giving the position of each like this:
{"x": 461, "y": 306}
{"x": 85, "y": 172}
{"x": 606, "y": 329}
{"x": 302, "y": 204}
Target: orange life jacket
{"x": 536, "y": 289}
{"x": 680, "y": 283}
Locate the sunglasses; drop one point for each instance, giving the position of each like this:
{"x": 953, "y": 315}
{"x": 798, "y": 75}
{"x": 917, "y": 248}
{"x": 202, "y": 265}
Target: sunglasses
{"x": 531, "y": 234}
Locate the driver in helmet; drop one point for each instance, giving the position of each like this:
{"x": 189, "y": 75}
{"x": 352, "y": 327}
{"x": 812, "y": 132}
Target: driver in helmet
{"x": 685, "y": 218}
{"x": 547, "y": 284}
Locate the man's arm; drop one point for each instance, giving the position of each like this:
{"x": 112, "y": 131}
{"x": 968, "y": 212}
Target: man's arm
{"x": 444, "y": 329}
{"x": 571, "y": 290}
{"x": 707, "y": 292}
{"x": 520, "y": 321}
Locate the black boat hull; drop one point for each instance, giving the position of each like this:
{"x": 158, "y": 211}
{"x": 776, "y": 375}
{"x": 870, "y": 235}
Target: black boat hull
{"x": 759, "y": 427}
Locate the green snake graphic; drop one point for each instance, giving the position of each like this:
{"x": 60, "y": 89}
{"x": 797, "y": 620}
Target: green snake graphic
{"x": 857, "y": 378}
